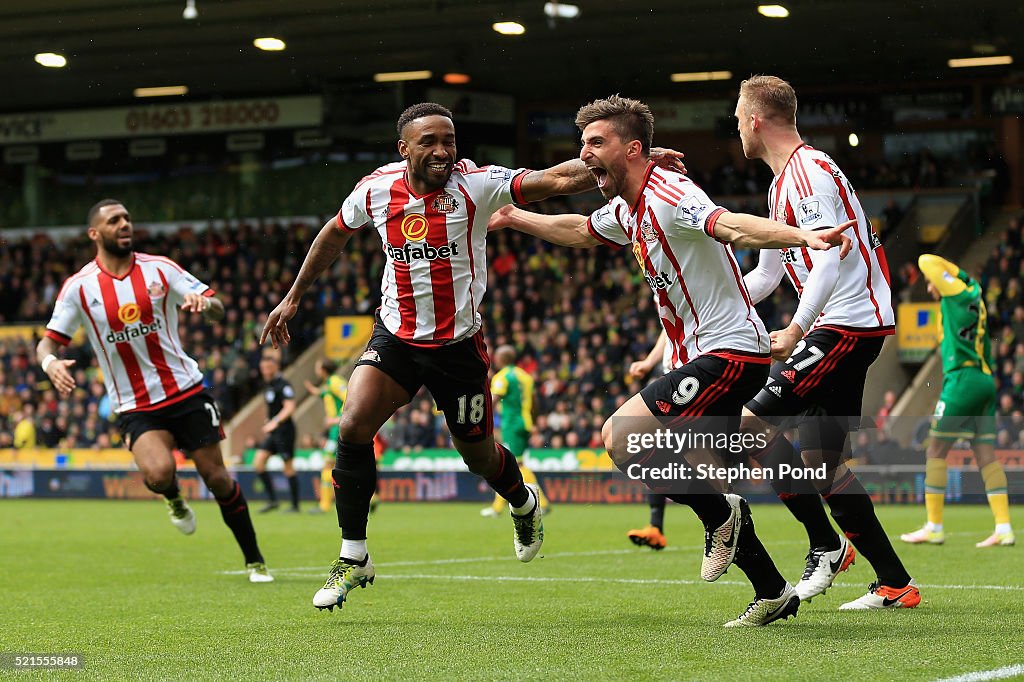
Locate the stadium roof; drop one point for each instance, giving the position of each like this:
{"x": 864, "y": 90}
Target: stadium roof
{"x": 115, "y": 46}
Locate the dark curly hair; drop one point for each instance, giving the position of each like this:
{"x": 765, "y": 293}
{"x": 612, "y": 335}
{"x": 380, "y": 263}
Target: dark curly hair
{"x": 419, "y": 111}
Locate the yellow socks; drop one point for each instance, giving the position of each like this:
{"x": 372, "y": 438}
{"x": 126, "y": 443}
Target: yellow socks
{"x": 935, "y": 490}
{"x": 996, "y": 489}
{"x": 326, "y": 491}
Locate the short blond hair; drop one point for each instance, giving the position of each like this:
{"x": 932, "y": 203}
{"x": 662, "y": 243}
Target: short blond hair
{"x": 771, "y": 97}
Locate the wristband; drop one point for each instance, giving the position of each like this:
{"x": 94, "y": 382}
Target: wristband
{"x": 47, "y": 361}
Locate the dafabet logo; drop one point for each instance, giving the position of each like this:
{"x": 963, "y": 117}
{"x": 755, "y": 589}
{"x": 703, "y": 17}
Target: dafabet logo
{"x": 129, "y": 313}
{"x": 414, "y": 227}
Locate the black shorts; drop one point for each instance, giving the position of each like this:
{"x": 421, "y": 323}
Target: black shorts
{"x": 455, "y": 374}
{"x": 717, "y": 384}
{"x": 193, "y": 422}
{"x": 820, "y": 388}
{"x": 280, "y": 441}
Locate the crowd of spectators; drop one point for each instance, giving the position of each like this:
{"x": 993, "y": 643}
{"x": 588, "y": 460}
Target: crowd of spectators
{"x": 1001, "y": 280}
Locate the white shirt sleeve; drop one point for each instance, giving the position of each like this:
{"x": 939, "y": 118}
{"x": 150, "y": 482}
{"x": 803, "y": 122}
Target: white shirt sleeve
{"x": 763, "y": 279}
{"x": 824, "y": 207}
{"x": 818, "y": 288}
{"x": 494, "y": 186}
{"x": 66, "y": 317}
{"x": 182, "y": 282}
{"x": 605, "y": 226}
{"x": 696, "y": 211}
{"x": 352, "y": 214}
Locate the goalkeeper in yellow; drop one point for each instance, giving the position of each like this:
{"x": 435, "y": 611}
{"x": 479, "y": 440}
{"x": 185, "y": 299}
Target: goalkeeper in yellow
{"x": 966, "y": 407}
{"x": 512, "y": 393}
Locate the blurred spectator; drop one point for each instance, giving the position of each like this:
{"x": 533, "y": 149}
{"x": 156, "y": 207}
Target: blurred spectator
{"x": 882, "y": 416}
{"x": 24, "y": 427}
{"x": 892, "y": 214}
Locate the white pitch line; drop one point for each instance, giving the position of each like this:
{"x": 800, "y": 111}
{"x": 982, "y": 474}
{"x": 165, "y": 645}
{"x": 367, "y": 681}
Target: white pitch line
{"x": 544, "y": 579}
{"x": 983, "y": 675}
{"x": 486, "y": 559}
{"x": 300, "y": 572}
{"x": 649, "y": 581}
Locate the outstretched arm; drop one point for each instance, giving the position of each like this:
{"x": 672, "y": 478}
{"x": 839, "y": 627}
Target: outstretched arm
{"x": 946, "y": 277}
{"x": 752, "y": 232}
{"x": 570, "y": 177}
{"x": 324, "y": 250}
{"x": 211, "y": 307}
{"x": 565, "y": 230}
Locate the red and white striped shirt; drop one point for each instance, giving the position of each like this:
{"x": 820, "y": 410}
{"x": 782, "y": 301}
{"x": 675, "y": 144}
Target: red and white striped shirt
{"x": 812, "y": 193}
{"x": 436, "y": 270}
{"x": 132, "y": 324}
{"x": 698, "y": 287}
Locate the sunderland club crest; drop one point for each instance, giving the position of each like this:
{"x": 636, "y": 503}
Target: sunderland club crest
{"x": 445, "y": 203}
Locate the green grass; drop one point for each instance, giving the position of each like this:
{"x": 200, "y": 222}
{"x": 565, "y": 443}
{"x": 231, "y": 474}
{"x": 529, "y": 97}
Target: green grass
{"x": 115, "y": 582}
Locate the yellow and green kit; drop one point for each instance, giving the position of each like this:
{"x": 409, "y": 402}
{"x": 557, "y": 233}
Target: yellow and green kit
{"x": 967, "y": 404}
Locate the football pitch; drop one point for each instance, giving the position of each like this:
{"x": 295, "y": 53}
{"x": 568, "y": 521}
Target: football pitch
{"x": 115, "y": 583}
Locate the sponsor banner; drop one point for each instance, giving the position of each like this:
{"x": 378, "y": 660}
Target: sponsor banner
{"x": 66, "y": 458}
{"x": 918, "y": 328}
{"x": 17, "y": 483}
{"x": 547, "y": 459}
{"x": 446, "y": 459}
{"x": 161, "y": 119}
{"x": 885, "y": 484}
{"x": 344, "y": 336}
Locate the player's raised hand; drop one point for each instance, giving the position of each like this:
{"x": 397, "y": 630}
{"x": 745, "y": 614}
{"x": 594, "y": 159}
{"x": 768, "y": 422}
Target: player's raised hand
{"x": 500, "y": 218}
{"x": 277, "y": 324}
{"x": 59, "y": 372}
{"x": 823, "y": 240}
{"x": 668, "y": 158}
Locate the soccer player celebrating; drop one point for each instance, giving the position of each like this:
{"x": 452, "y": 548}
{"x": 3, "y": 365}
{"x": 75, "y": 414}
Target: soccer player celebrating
{"x": 720, "y": 349}
{"x": 512, "y": 388}
{"x": 431, "y": 212}
{"x": 967, "y": 404}
{"x": 845, "y": 312}
{"x": 128, "y": 303}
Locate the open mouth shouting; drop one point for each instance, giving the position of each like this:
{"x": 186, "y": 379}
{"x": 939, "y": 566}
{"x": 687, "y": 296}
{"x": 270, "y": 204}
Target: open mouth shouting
{"x": 600, "y": 175}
